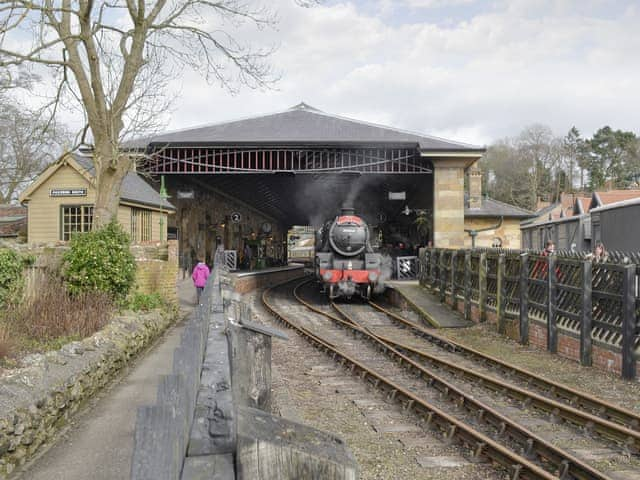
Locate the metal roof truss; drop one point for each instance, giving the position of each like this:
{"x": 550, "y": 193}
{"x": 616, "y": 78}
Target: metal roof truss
{"x": 293, "y": 160}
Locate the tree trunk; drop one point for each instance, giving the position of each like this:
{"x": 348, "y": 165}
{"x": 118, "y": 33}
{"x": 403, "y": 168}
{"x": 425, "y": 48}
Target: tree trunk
{"x": 111, "y": 168}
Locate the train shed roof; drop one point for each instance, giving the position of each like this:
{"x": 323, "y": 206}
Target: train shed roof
{"x": 301, "y": 124}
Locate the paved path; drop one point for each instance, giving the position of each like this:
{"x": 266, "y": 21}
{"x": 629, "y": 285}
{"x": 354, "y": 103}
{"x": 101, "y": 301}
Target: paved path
{"x": 427, "y": 305}
{"x": 99, "y": 443}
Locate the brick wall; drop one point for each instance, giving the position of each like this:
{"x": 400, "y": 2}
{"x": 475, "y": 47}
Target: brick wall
{"x": 605, "y": 357}
{"x": 157, "y": 276}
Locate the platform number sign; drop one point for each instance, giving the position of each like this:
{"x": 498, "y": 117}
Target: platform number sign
{"x": 236, "y": 217}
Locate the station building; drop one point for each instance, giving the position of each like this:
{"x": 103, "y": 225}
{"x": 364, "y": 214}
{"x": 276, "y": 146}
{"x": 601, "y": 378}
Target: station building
{"x": 60, "y": 202}
{"x": 250, "y": 180}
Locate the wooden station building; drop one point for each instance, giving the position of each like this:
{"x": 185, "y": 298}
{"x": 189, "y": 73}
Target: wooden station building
{"x": 60, "y": 202}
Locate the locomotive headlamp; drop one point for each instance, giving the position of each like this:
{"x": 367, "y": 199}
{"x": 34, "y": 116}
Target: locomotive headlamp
{"x": 327, "y": 276}
{"x": 373, "y": 276}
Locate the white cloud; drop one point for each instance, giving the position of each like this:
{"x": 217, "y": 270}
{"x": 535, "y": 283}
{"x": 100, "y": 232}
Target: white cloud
{"x": 474, "y": 79}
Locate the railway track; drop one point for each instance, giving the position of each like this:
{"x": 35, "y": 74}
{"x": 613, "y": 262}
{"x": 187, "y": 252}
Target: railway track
{"x": 462, "y": 418}
{"x": 551, "y": 389}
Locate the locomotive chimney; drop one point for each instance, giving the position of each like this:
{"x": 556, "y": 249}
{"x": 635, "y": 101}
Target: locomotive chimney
{"x": 347, "y": 211}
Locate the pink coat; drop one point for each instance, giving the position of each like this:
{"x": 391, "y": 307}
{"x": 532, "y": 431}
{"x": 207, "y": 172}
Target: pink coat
{"x": 200, "y": 275}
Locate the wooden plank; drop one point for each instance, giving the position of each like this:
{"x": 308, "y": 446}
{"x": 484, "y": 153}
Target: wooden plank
{"x": 586, "y": 347}
{"x": 524, "y": 299}
{"x": 628, "y": 322}
{"x": 482, "y": 287}
{"x": 552, "y": 326}
{"x": 272, "y": 447}
{"x": 467, "y": 285}
{"x": 452, "y": 279}
{"x": 501, "y": 297}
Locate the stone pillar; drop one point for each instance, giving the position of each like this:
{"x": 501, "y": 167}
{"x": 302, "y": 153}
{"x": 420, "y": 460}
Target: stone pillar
{"x": 448, "y": 204}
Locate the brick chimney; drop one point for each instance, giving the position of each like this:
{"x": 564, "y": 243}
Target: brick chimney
{"x": 475, "y": 187}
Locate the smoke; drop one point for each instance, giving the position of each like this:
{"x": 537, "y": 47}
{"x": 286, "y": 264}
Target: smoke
{"x": 386, "y": 272}
{"x": 320, "y": 198}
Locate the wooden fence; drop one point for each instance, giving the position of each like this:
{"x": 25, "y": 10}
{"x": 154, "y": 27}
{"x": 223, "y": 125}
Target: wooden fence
{"x": 593, "y": 301}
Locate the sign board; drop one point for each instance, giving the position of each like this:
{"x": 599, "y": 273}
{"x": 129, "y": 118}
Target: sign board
{"x": 236, "y": 217}
{"x": 185, "y": 194}
{"x": 68, "y": 192}
{"x": 397, "y": 195}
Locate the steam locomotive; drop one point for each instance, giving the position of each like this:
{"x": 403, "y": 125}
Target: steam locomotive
{"x": 345, "y": 262}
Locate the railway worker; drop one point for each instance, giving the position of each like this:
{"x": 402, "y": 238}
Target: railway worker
{"x": 199, "y": 276}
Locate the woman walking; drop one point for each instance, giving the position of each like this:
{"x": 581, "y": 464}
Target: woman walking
{"x": 199, "y": 277}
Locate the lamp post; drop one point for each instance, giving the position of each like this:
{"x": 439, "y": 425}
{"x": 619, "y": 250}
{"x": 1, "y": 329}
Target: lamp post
{"x": 164, "y": 196}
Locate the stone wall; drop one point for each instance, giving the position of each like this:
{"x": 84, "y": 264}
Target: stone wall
{"x": 509, "y": 232}
{"x": 39, "y": 397}
{"x": 448, "y": 206}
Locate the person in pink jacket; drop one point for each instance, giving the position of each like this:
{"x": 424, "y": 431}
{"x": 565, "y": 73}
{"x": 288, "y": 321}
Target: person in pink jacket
{"x": 199, "y": 276}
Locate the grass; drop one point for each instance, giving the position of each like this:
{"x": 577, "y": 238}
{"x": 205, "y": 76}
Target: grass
{"x": 51, "y": 319}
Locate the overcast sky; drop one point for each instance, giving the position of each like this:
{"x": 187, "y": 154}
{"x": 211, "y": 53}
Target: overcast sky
{"x": 467, "y": 70}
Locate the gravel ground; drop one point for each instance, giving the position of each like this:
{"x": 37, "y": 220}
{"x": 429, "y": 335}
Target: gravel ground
{"x": 388, "y": 443}
{"x": 606, "y": 386}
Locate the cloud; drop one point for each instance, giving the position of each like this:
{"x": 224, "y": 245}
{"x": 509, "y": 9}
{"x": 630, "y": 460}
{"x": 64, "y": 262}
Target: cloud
{"x": 475, "y": 72}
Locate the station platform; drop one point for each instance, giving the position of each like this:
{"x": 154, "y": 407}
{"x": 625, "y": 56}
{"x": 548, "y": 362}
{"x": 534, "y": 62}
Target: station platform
{"x": 244, "y": 281}
{"x": 427, "y": 306}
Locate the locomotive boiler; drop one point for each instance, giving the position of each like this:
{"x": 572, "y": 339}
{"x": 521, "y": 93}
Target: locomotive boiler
{"x": 346, "y": 264}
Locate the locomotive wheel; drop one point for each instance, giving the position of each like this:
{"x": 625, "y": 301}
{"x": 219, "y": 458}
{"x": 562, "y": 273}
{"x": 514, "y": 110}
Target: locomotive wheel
{"x": 331, "y": 291}
{"x": 368, "y": 292}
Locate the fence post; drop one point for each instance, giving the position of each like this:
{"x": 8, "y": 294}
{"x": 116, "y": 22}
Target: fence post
{"x": 552, "y": 326}
{"x": 467, "y": 284}
{"x": 482, "y": 287}
{"x": 524, "y": 299}
{"x": 628, "y": 322}
{"x": 587, "y": 314}
{"x": 454, "y": 296}
{"x": 443, "y": 278}
{"x": 501, "y": 298}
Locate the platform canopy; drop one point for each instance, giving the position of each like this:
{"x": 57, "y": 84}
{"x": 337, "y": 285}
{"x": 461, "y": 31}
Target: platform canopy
{"x": 301, "y": 139}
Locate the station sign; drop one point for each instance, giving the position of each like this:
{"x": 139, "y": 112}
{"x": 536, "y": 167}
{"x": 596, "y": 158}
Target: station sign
{"x": 185, "y": 194}
{"x": 68, "y": 192}
{"x": 397, "y": 195}
{"x": 236, "y": 217}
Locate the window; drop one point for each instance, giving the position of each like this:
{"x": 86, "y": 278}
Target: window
{"x": 76, "y": 219}
{"x": 141, "y": 225}
{"x": 134, "y": 224}
{"x": 145, "y": 216}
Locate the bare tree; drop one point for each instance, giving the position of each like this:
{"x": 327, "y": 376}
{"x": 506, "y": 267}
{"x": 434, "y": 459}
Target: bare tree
{"x": 116, "y": 56}
{"x": 28, "y": 143}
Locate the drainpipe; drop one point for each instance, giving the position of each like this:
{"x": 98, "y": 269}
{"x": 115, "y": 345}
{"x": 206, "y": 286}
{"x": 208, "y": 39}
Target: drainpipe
{"x": 473, "y": 233}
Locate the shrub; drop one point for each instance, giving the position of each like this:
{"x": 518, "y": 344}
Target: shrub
{"x": 53, "y": 318}
{"x": 7, "y": 341}
{"x": 100, "y": 261}
{"x": 146, "y": 302}
{"x": 11, "y": 278}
